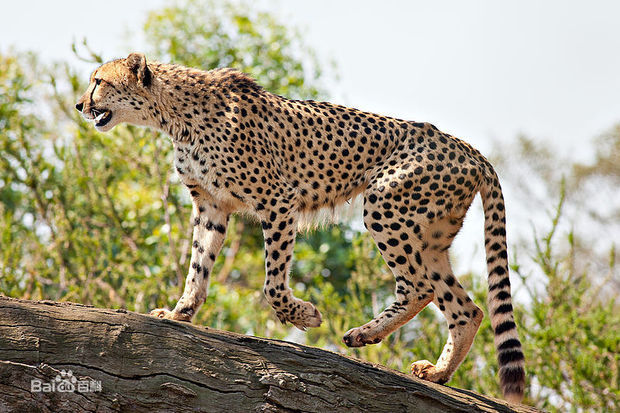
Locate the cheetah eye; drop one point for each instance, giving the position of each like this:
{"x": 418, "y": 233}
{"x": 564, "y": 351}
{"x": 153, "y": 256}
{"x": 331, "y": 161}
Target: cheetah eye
{"x": 97, "y": 82}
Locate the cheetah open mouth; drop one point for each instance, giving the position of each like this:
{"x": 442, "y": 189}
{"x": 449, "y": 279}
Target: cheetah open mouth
{"x": 101, "y": 117}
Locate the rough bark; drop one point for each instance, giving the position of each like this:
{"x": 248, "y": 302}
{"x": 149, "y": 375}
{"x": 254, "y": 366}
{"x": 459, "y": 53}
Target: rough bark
{"x": 149, "y": 364}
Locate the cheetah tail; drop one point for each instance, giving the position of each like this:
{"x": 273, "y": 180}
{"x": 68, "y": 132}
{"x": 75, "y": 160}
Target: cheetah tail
{"x": 509, "y": 353}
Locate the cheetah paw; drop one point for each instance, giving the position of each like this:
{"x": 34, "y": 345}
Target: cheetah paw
{"x": 306, "y": 315}
{"x": 357, "y": 338}
{"x": 311, "y": 317}
{"x": 170, "y": 315}
{"x": 426, "y": 370}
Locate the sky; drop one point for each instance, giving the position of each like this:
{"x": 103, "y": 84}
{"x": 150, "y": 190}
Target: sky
{"x": 485, "y": 71}
{"x": 481, "y": 70}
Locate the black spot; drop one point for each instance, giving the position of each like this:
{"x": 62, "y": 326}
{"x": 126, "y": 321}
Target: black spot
{"x": 499, "y": 270}
{"x": 512, "y": 375}
{"x": 505, "y": 282}
{"x": 503, "y": 309}
{"x": 505, "y": 326}
{"x": 506, "y": 357}
{"x": 187, "y": 311}
{"x": 510, "y": 343}
{"x": 503, "y": 295}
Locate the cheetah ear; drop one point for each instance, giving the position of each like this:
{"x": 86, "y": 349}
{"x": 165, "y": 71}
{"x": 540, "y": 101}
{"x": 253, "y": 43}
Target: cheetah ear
{"x": 136, "y": 62}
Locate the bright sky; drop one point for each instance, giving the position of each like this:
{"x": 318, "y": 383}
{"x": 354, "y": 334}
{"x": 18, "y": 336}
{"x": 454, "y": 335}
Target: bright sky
{"x": 481, "y": 70}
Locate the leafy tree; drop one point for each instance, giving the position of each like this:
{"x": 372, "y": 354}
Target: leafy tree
{"x": 607, "y": 158}
{"x": 570, "y": 274}
{"x": 210, "y": 34}
{"x": 101, "y": 218}
{"x": 572, "y": 336}
{"x": 592, "y": 207}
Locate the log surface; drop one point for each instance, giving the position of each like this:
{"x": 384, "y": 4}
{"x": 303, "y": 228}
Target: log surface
{"x": 148, "y": 364}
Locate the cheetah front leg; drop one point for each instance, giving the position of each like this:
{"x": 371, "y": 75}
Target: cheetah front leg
{"x": 210, "y": 224}
{"x": 279, "y": 229}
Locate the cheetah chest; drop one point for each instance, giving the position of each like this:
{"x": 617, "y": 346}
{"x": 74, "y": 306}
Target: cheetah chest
{"x": 192, "y": 166}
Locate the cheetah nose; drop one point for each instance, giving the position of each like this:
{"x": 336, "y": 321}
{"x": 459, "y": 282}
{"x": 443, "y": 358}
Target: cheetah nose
{"x": 79, "y": 106}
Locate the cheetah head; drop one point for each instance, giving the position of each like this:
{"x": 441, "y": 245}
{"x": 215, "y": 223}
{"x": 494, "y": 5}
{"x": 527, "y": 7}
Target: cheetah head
{"x": 116, "y": 92}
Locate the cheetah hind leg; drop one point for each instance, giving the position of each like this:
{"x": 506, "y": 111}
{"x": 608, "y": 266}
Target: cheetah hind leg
{"x": 170, "y": 315}
{"x": 401, "y": 253}
{"x": 463, "y": 317}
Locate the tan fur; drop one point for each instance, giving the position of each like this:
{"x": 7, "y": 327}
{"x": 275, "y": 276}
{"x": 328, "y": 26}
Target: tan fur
{"x": 239, "y": 148}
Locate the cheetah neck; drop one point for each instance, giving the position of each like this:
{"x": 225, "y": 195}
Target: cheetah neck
{"x": 186, "y": 98}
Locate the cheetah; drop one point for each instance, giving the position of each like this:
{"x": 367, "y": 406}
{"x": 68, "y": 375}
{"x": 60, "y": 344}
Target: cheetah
{"x": 239, "y": 148}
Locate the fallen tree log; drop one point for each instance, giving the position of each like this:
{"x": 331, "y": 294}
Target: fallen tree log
{"x": 69, "y": 357}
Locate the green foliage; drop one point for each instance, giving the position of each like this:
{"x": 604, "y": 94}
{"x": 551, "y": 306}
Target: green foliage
{"x": 607, "y": 158}
{"x": 71, "y": 226}
{"x": 571, "y": 336}
{"x": 210, "y": 34}
{"x": 101, "y": 219}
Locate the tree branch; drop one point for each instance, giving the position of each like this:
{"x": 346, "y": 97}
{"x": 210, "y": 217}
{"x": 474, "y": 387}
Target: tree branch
{"x": 150, "y": 364}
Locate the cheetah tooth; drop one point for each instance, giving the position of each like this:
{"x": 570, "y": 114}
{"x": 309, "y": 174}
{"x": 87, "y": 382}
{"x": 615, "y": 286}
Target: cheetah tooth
{"x": 100, "y": 116}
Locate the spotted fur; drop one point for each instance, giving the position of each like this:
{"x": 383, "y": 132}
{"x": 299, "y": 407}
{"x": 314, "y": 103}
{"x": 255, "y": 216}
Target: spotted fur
{"x": 239, "y": 148}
